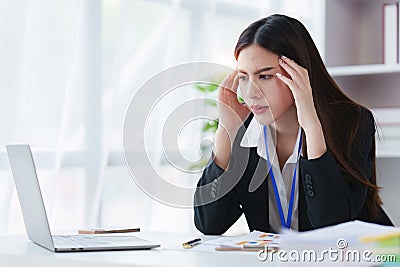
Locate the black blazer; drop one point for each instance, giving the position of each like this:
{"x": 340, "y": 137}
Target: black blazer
{"x": 325, "y": 197}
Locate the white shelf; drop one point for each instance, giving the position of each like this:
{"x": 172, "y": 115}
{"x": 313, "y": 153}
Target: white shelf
{"x": 371, "y": 69}
{"x": 388, "y": 148}
{"x": 388, "y": 122}
{"x": 388, "y": 142}
{"x": 387, "y": 116}
{"x": 353, "y": 49}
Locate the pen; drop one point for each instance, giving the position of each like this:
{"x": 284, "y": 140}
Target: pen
{"x": 192, "y": 243}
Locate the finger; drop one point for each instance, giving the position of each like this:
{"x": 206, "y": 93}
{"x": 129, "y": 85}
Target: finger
{"x": 227, "y": 82}
{"x": 295, "y": 66}
{"x": 235, "y": 83}
{"x": 292, "y": 86}
{"x": 291, "y": 71}
{"x": 291, "y": 63}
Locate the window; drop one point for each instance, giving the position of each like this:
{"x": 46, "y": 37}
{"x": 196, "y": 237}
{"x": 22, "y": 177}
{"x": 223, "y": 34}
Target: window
{"x": 70, "y": 69}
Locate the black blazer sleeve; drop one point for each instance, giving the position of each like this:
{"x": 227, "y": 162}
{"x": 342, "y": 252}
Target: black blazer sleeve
{"x": 216, "y": 217}
{"x": 330, "y": 197}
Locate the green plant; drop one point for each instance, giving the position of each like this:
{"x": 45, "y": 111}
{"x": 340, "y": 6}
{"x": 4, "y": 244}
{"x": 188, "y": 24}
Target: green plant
{"x": 209, "y": 127}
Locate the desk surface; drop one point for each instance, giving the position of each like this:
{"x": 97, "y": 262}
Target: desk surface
{"x": 18, "y": 251}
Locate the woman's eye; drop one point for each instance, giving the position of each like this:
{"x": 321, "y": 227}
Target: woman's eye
{"x": 242, "y": 78}
{"x": 265, "y": 77}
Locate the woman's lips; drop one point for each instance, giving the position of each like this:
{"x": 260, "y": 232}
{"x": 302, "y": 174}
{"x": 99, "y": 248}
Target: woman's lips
{"x": 259, "y": 109}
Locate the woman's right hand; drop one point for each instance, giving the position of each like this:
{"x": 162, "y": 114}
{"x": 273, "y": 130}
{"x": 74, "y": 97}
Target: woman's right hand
{"x": 231, "y": 113}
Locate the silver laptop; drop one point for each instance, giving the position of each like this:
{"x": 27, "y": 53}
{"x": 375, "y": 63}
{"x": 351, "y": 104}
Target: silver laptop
{"x": 35, "y": 218}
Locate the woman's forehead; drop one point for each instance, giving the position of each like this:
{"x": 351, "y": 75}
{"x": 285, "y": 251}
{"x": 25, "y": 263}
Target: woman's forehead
{"x": 255, "y": 57}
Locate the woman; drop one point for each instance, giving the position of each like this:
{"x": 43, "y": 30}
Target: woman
{"x": 324, "y": 169}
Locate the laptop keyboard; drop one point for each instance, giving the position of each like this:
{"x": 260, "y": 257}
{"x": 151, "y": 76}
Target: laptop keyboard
{"x": 79, "y": 241}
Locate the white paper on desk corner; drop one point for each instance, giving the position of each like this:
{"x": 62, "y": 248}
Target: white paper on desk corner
{"x": 209, "y": 243}
{"x": 350, "y": 231}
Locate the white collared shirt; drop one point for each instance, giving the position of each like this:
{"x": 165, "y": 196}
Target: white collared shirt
{"x": 254, "y": 137}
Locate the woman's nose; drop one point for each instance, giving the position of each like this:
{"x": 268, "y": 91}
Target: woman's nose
{"x": 253, "y": 91}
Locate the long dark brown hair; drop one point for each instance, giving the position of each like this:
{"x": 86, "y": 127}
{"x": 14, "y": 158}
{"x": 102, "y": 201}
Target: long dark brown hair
{"x": 339, "y": 115}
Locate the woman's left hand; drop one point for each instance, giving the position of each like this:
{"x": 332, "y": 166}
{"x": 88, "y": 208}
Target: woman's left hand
{"x": 299, "y": 84}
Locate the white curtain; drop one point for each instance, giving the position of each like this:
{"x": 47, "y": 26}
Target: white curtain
{"x": 68, "y": 71}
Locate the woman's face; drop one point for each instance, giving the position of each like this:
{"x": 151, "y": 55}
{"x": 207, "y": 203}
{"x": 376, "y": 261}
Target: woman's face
{"x": 265, "y": 94}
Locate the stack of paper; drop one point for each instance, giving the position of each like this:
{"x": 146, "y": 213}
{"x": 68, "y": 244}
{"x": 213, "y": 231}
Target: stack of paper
{"x": 387, "y": 245}
{"x": 342, "y": 242}
{"x": 254, "y": 241}
{"x": 341, "y": 237}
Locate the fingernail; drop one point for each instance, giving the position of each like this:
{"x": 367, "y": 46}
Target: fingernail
{"x": 282, "y": 56}
{"x": 278, "y": 74}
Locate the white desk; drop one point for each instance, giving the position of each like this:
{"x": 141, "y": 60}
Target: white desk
{"x": 18, "y": 251}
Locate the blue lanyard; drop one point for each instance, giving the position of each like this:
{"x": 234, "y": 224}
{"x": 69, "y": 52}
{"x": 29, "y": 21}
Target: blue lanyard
{"x": 284, "y": 223}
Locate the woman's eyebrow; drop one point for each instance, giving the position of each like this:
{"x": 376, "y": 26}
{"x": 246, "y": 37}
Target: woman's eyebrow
{"x": 263, "y": 69}
{"x": 258, "y": 71}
